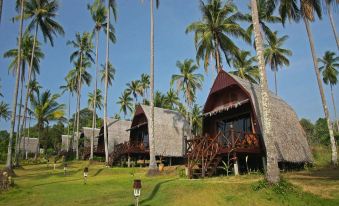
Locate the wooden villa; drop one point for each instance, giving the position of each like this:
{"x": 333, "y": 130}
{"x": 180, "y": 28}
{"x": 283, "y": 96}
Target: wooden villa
{"x": 170, "y": 131}
{"x": 232, "y": 130}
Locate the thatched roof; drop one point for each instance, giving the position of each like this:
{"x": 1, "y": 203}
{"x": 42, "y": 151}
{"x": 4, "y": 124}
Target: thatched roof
{"x": 88, "y": 132}
{"x": 65, "y": 142}
{"x": 289, "y": 137}
{"x": 170, "y": 130}
{"x": 31, "y": 145}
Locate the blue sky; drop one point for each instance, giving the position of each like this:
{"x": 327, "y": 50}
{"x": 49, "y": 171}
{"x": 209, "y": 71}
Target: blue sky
{"x": 130, "y": 55}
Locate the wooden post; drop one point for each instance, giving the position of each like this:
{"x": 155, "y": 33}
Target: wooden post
{"x": 236, "y": 166}
{"x": 128, "y": 161}
{"x": 202, "y": 167}
{"x": 232, "y": 135}
{"x": 170, "y": 161}
{"x": 264, "y": 163}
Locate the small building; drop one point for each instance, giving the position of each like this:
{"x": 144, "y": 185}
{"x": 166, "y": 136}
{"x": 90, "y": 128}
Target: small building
{"x": 29, "y": 145}
{"x": 232, "y": 129}
{"x": 170, "y": 131}
{"x": 117, "y": 133}
{"x": 87, "y": 133}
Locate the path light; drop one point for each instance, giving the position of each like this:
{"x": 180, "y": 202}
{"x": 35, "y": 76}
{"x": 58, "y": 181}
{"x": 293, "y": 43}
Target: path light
{"x": 65, "y": 168}
{"x": 137, "y": 191}
{"x": 85, "y": 174}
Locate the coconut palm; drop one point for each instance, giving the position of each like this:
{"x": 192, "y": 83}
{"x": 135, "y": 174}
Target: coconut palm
{"x": 83, "y": 50}
{"x": 328, "y": 4}
{"x": 111, "y": 5}
{"x": 213, "y": 33}
{"x": 245, "y": 66}
{"x": 196, "y": 119}
{"x": 160, "y": 100}
{"x": 172, "y": 99}
{"x": 145, "y": 83}
{"x": 99, "y": 16}
{"x": 125, "y": 102}
{"x": 4, "y": 111}
{"x": 187, "y": 80}
{"x": 92, "y": 101}
{"x": 307, "y": 11}
{"x": 46, "y": 109}
{"x": 111, "y": 73}
{"x": 266, "y": 16}
{"x": 42, "y": 15}
{"x": 1, "y": 5}
{"x": 330, "y": 73}
{"x": 9, "y": 161}
{"x": 275, "y": 55}
{"x": 135, "y": 88}
{"x": 272, "y": 169}
{"x": 69, "y": 87}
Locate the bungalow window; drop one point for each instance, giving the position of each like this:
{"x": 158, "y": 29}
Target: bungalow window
{"x": 240, "y": 124}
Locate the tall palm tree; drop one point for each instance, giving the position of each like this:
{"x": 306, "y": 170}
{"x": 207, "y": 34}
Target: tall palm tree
{"x": 213, "y": 33}
{"x": 145, "y": 83}
{"x": 125, "y": 102}
{"x": 245, "y": 66}
{"x": 9, "y": 161}
{"x": 135, "y": 88}
{"x": 46, "y": 109}
{"x": 266, "y": 16}
{"x": 330, "y": 73}
{"x": 42, "y": 15}
{"x": 196, "y": 119}
{"x": 111, "y": 5}
{"x": 160, "y": 100}
{"x": 4, "y": 111}
{"x": 275, "y": 55}
{"x": 111, "y": 73}
{"x": 83, "y": 51}
{"x": 1, "y": 5}
{"x": 98, "y": 13}
{"x": 307, "y": 11}
{"x": 172, "y": 99}
{"x": 187, "y": 80}
{"x": 272, "y": 169}
{"x": 328, "y": 4}
{"x": 98, "y": 102}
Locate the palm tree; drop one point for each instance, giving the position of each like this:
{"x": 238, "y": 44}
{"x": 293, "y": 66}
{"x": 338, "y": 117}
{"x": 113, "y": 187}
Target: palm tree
{"x": 111, "y": 5}
{"x": 46, "y": 109}
{"x": 4, "y": 111}
{"x": 111, "y": 73}
{"x": 272, "y": 169}
{"x": 1, "y": 5}
{"x": 265, "y": 12}
{"x": 330, "y": 73}
{"x": 308, "y": 10}
{"x": 196, "y": 119}
{"x": 92, "y": 101}
{"x": 125, "y": 102}
{"x": 275, "y": 55}
{"x": 172, "y": 99}
{"x": 98, "y": 13}
{"x": 135, "y": 88}
{"x": 329, "y": 4}
{"x": 212, "y": 34}
{"x": 245, "y": 66}
{"x": 84, "y": 50}
{"x": 145, "y": 83}
{"x": 160, "y": 100}
{"x": 187, "y": 81}
{"x": 9, "y": 165}
{"x": 42, "y": 14}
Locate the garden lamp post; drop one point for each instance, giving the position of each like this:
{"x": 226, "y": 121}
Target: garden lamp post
{"x": 137, "y": 191}
{"x": 85, "y": 174}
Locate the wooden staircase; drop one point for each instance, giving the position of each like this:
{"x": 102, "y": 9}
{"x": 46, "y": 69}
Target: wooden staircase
{"x": 119, "y": 150}
{"x": 202, "y": 155}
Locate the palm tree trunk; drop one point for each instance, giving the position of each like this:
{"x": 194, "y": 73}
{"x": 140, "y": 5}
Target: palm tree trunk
{"x": 78, "y": 106}
{"x": 69, "y": 114}
{"x": 18, "y": 134}
{"x": 217, "y": 56}
{"x": 275, "y": 81}
{"x": 272, "y": 173}
{"x": 329, "y": 11}
{"x": 321, "y": 90}
{"x": 334, "y": 108}
{"x": 95, "y": 91}
{"x": 9, "y": 165}
{"x": 1, "y": 4}
{"x": 30, "y": 68}
{"x": 153, "y": 169}
{"x": 106, "y": 83}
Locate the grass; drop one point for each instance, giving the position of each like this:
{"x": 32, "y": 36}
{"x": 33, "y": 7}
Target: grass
{"x": 40, "y": 185}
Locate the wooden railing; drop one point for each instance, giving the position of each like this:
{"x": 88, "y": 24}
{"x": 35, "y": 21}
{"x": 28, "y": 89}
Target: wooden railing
{"x": 126, "y": 148}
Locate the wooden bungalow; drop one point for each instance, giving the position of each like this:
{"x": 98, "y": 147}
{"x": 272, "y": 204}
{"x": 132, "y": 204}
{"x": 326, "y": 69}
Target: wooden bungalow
{"x": 29, "y": 146}
{"x": 232, "y": 129}
{"x": 117, "y": 133}
{"x": 170, "y": 131}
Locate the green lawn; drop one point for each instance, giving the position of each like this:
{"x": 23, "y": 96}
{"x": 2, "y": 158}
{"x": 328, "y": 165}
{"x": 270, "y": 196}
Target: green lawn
{"x": 39, "y": 185}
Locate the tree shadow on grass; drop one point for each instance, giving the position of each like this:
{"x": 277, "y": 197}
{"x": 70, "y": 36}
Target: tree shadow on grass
{"x": 154, "y": 192}
{"x": 98, "y": 172}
